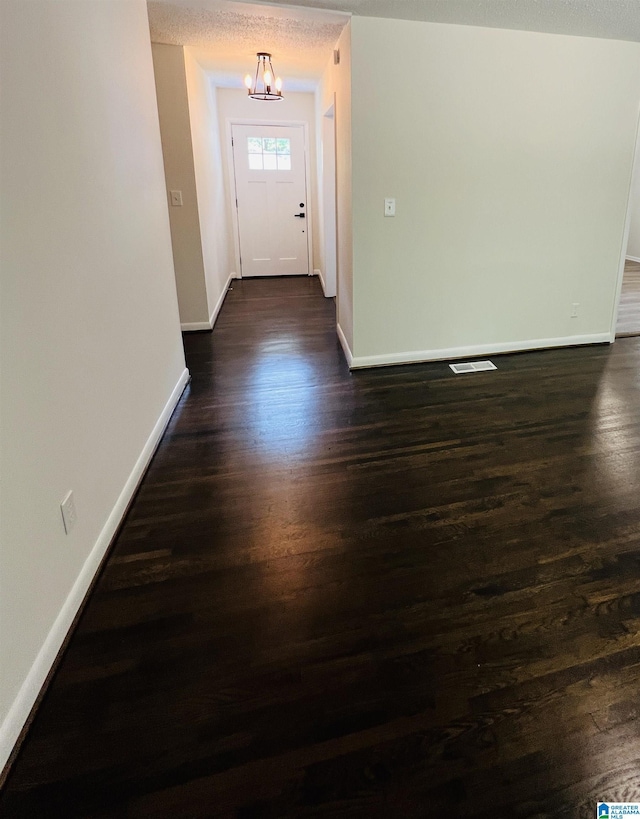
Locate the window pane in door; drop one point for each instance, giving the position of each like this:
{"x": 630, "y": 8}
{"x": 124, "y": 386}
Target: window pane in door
{"x": 268, "y": 153}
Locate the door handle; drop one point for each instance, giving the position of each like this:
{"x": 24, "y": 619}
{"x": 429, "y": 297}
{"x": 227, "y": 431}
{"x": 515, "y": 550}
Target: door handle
{"x": 299, "y": 215}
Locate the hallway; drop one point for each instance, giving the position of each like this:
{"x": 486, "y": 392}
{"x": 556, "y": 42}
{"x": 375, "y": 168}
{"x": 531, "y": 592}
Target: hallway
{"x": 387, "y": 593}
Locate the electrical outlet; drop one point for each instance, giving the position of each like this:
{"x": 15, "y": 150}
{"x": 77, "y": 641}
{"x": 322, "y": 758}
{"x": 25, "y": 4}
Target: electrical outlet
{"x": 68, "y": 508}
{"x": 176, "y": 198}
{"x": 574, "y": 310}
{"x": 389, "y": 207}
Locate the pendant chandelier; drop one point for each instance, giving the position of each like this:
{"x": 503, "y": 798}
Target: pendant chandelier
{"x": 263, "y": 87}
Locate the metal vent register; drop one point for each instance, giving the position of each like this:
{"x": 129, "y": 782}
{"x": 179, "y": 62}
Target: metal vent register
{"x": 472, "y": 367}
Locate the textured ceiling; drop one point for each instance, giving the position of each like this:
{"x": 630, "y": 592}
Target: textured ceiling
{"x": 226, "y": 37}
{"x": 611, "y": 19}
{"x": 301, "y": 34}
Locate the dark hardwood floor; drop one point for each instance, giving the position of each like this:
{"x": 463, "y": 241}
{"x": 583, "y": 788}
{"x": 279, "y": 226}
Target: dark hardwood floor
{"x": 392, "y": 593}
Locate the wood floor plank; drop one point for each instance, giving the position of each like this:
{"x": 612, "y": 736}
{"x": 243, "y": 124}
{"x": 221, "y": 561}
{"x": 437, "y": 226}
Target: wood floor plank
{"x": 386, "y": 593}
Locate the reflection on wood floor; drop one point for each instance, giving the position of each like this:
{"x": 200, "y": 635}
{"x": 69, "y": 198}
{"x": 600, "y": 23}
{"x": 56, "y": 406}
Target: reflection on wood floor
{"x": 389, "y": 594}
{"x": 629, "y": 313}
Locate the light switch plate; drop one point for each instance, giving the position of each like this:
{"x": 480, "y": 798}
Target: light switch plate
{"x": 389, "y": 207}
{"x": 176, "y": 198}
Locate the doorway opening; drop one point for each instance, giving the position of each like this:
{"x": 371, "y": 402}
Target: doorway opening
{"x": 628, "y": 323}
{"x": 329, "y": 202}
{"x": 628, "y": 315}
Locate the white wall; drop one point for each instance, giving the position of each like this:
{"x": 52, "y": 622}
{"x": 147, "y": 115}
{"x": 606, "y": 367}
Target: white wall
{"x": 92, "y": 359}
{"x": 294, "y": 106}
{"x": 335, "y": 88}
{"x": 509, "y": 154}
{"x": 180, "y": 175}
{"x": 212, "y": 206}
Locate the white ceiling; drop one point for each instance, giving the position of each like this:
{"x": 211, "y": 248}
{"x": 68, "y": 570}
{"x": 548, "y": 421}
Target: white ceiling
{"x": 301, "y": 34}
{"x": 226, "y": 36}
{"x": 610, "y": 19}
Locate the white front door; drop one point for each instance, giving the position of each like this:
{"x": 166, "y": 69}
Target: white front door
{"x": 271, "y": 196}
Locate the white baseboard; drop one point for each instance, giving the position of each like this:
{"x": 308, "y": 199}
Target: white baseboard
{"x": 29, "y": 692}
{"x": 194, "y": 326}
{"x": 317, "y": 272}
{"x": 220, "y": 302}
{"x": 416, "y": 356}
{"x": 632, "y": 258}
{"x": 345, "y": 346}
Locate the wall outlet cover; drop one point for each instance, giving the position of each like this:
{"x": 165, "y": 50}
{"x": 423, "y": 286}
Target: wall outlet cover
{"x": 68, "y": 509}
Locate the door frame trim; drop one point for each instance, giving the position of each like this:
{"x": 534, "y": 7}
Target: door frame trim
{"x": 233, "y": 197}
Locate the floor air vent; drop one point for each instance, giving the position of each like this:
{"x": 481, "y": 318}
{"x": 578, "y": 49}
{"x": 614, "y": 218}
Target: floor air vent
{"x": 473, "y": 367}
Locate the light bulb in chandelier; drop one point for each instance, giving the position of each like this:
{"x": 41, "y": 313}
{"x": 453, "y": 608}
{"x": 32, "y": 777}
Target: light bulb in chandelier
{"x": 261, "y": 87}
